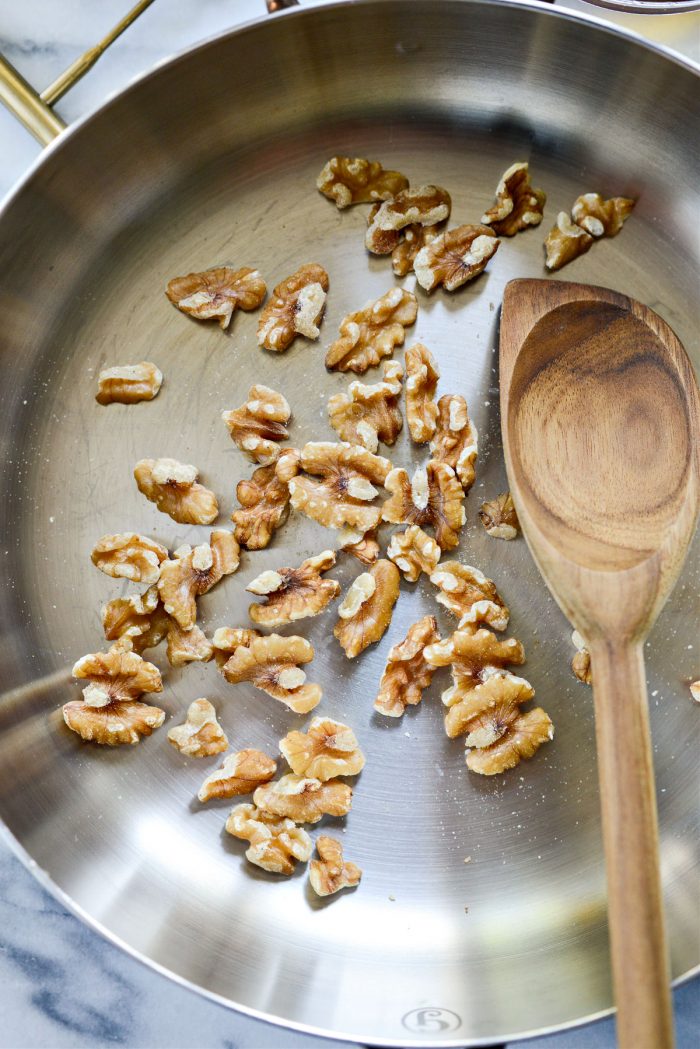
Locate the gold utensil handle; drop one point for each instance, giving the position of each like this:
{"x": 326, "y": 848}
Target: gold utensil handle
{"x": 34, "y": 109}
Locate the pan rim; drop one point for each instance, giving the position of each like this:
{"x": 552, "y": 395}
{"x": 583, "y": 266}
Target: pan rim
{"x": 41, "y": 875}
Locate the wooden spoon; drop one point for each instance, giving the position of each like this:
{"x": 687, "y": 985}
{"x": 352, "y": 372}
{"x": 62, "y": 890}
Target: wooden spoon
{"x": 600, "y": 416}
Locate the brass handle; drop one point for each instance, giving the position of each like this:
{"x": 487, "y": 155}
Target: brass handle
{"x": 34, "y": 110}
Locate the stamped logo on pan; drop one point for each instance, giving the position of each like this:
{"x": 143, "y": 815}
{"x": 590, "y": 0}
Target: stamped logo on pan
{"x": 430, "y": 1020}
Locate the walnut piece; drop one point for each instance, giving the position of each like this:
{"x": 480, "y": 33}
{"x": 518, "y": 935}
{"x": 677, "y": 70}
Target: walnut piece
{"x": 525, "y": 736}
{"x": 407, "y": 673}
{"x": 304, "y": 800}
{"x": 143, "y": 622}
{"x": 354, "y": 180}
{"x": 193, "y": 572}
{"x": 174, "y": 488}
{"x": 499, "y": 518}
{"x": 456, "y": 441}
{"x": 216, "y": 293}
{"x": 343, "y": 494}
{"x": 272, "y": 664}
{"x": 372, "y": 333}
{"x": 581, "y": 663}
{"x": 187, "y": 646}
{"x": 264, "y": 501}
{"x": 294, "y": 593}
{"x": 275, "y": 843}
{"x": 330, "y": 873}
{"x": 296, "y": 308}
{"x": 363, "y": 547}
{"x": 258, "y": 426}
{"x": 433, "y": 497}
{"x": 565, "y": 242}
{"x": 601, "y": 218}
{"x": 366, "y": 415}
{"x": 413, "y": 552}
{"x": 412, "y": 239}
{"x": 201, "y": 735}
{"x": 468, "y": 594}
{"x": 518, "y": 205}
{"x": 227, "y": 639}
{"x": 128, "y": 383}
{"x": 366, "y": 610}
{"x": 240, "y": 773}
{"x": 695, "y": 691}
{"x": 424, "y": 206}
{"x": 110, "y": 711}
{"x": 421, "y": 383}
{"x": 327, "y": 750}
{"x": 455, "y": 257}
{"x": 381, "y": 241}
{"x": 128, "y": 555}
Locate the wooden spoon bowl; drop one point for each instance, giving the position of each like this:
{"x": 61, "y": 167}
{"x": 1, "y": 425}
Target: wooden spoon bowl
{"x": 600, "y": 415}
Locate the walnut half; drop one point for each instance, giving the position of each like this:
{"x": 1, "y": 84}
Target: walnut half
{"x": 295, "y": 308}
{"x": 272, "y": 664}
{"x": 354, "y": 180}
{"x": 264, "y": 501}
{"x": 413, "y": 552}
{"x": 174, "y": 488}
{"x": 371, "y": 334}
{"x": 565, "y": 242}
{"x": 468, "y": 594}
{"x": 258, "y": 426}
{"x": 343, "y": 485}
{"x": 366, "y": 610}
{"x": 599, "y": 217}
{"x": 581, "y": 663}
{"x": 275, "y": 843}
{"x": 303, "y": 799}
{"x": 294, "y": 593}
{"x": 110, "y": 711}
{"x": 424, "y": 206}
{"x": 456, "y": 441}
{"x": 421, "y": 383}
{"x": 127, "y": 555}
{"x": 330, "y": 873}
{"x": 499, "y": 518}
{"x": 455, "y": 257}
{"x": 240, "y": 773}
{"x": 407, "y": 673}
{"x": 366, "y": 415}
{"x": 193, "y": 572}
{"x": 128, "y": 383}
{"x": 518, "y": 205}
{"x": 216, "y": 293}
{"x": 327, "y": 750}
{"x": 432, "y": 498}
{"x": 201, "y": 735}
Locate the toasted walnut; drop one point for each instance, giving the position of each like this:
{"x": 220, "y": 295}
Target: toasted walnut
{"x": 110, "y": 711}
{"x": 127, "y": 555}
{"x": 327, "y": 750}
{"x": 421, "y": 383}
{"x": 240, "y": 773}
{"x": 227, "y": 639}
{"x": 272, "y": 664}
{"x": 499, "y": 518}
{"x": 201, "y": 735}
{"x": 456, "y": 441}
{"x": 354, "y": 180}
{"x": 455, "y": 257}
{"x": 565, "y": 242}
{"x": 413, "y": 552}
{"x": 304, "y": 800}
{"x": 128, "y": 383}
{"x": 294, "y": 593}
{"x": 581, "y": 663}
{"x": 381, "y": 241}
{"x": 413, "y": 238}
{"x": 518, "y": 205}
{"x": 425, "y": 206}
{"x": 143, "y": 622}
{"x": 258, "y": 426}
{"x": 407, "y": 673}
{"x": 469, "y": 651}
{"x": 264, "y": 501}
{"x": 695, "y": 691}
{"x": 296, "y": 308}
{"x": 193, "y": 572}
{"x": 372, "y": 333}
{"x": 468, "y": 594}
{"x": 433, "y": 497}
{"x": 330, "y": 873}
{"x": 366, "y": 610}
{"x": 174, "y": 488}
{"x": 601, "y": 218}
{"x": 215, "y": 294}
{"x": 275, "y": 843}
{"x": 366, "y": 415}
{"x": 187, "y": 646}
{"x": 348, "y": 475}
{"x": 363, "y": 547}
{"x": 524, "y": 737}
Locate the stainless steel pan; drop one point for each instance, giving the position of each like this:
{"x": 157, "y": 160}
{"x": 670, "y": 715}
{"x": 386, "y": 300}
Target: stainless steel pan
{"x": 212, "y": 157}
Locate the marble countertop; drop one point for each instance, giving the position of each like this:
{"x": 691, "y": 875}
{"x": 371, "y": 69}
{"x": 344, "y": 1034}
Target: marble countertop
{"x": 62, "y": 984}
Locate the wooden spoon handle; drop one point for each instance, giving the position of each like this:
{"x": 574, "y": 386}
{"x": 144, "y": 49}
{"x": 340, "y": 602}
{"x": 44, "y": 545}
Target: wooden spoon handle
{"x": 628, "y": 801}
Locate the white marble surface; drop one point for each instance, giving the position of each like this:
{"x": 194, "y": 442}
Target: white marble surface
{"x": 62, "y": 985}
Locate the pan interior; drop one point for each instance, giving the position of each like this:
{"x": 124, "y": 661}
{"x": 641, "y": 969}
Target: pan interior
{"x": 482, "y": 909}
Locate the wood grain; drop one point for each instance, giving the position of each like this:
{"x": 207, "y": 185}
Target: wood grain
{"x": 600, "y": 416}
